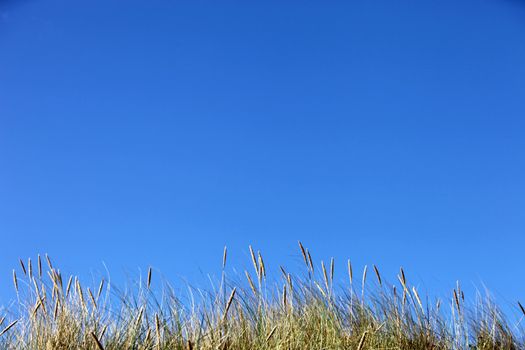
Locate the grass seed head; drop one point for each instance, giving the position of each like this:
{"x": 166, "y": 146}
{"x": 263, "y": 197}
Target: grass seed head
{"x": 378, "y": 275}
{"x": 15, "y": 281}
{"x": 521, "y": 308}
{"x": 97, "y": 341}
{"x": 9, "y": 326}
{"x": 39, "y": 266}
{"x": 303, "y": 252}
{"x": 22, "y": 266}
{"x": 224, "y": 256}
{"x": 254, "y": 261}
{"x": 149, "y": 278}
{"x": 350, "y": 272}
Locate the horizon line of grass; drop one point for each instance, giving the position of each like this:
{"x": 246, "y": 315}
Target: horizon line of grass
{"x": 55, "y": 312}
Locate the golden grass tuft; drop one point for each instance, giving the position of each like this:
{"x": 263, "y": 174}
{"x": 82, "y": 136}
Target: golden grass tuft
{"x": 292, "y": 313}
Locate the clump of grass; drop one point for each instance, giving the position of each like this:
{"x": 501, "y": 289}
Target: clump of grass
{"x": 294, "y": 312}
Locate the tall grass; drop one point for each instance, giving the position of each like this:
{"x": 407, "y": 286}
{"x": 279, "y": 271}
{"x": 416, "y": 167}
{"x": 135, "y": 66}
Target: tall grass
{"x": 309, "y": 311}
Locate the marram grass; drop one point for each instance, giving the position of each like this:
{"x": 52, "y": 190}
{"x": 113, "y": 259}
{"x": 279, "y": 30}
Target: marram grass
{"x": 58, "y": 312}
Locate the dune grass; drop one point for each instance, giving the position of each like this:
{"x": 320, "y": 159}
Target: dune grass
{"x": 291, "y": 312}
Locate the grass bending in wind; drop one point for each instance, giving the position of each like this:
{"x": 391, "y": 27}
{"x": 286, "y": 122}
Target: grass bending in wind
{"x": 57, "y": 312}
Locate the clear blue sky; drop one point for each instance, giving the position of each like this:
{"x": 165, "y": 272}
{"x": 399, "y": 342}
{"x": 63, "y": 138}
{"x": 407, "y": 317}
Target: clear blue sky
{"x": 155, "y": 132}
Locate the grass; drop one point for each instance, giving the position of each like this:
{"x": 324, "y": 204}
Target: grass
{"x": 294, "y": 312}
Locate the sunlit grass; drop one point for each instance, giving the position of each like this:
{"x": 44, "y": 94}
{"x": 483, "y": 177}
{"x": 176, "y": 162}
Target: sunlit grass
{"x": 292, "y": 312}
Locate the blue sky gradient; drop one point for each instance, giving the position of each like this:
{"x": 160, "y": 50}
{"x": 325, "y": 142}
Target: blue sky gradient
{"x": 145, "y": 133}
